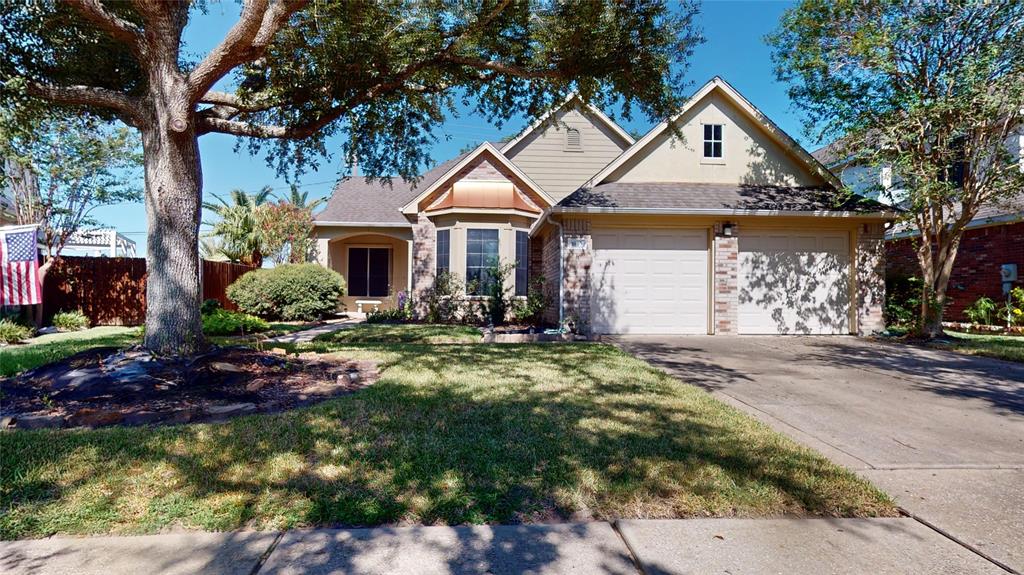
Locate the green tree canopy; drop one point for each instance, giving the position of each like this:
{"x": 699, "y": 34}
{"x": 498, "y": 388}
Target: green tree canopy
{"x": 933, "y": 89}
{"x": 289, "y": 74}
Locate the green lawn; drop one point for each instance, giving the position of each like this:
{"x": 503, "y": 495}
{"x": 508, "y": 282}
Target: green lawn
{"x": 52, "y": 347}
{"x": 1010, "y": 348}
{"x": 403, "y": 333}
{"x": 450, "y": 434}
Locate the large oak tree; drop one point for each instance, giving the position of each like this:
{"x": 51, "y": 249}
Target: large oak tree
{"x": 291, "y": 73}
{"x": 933, "y": 89}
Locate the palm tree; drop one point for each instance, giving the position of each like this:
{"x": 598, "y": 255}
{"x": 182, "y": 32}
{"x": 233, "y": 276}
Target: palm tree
{"x": 299, "y": 199}
{"x": 240, "y": 239}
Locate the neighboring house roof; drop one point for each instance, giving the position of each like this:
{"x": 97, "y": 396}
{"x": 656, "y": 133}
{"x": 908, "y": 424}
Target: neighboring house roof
{"x": 361, "y": 200}
{"x": 776, "y": 133}
{"x": 831, "y": 154}
{"x": 543, "y": 120}
{"x": 686, "y": 197}
{"x": 484, "y": 148}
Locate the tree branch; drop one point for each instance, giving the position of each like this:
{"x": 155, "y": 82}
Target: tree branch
{"x": 502, "y": 68}
{"x": 86, "y": 96}
{"x": 245, "y": 42}
{"x": 118, "y": 28}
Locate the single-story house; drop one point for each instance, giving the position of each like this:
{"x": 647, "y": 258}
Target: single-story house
{"x": 723, "y": 225}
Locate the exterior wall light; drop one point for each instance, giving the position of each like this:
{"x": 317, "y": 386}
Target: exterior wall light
{"x": 727, "y": 230}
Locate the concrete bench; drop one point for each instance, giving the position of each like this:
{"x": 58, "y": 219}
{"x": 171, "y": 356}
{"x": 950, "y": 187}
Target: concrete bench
{"x": 361, "y": 302}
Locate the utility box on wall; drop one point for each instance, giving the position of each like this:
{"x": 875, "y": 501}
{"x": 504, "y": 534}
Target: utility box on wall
{"x": 1008, "y": 274}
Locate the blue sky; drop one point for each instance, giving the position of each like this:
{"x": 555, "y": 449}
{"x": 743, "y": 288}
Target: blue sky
{"x": 734, "y": 50}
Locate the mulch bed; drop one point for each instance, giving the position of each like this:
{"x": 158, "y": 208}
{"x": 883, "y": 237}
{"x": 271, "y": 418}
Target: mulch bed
{"x": 108, "y": 386}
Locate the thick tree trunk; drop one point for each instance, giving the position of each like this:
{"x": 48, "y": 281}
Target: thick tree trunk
{"x": 173, "y": 198}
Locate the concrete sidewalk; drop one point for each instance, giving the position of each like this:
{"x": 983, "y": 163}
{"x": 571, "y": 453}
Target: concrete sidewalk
{"x": 307, "y": 335}
{"x": 792, "y": 546}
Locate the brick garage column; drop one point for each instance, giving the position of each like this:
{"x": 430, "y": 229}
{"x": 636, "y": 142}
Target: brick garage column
{"x": 870, "y": 278}
{"x": 424, "y": 240}
{"x": 725, "y": 286}
{"x": 577, "y": 257}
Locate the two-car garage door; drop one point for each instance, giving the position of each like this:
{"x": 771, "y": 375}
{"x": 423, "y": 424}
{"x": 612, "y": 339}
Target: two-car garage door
{"x": 656, "y": 281}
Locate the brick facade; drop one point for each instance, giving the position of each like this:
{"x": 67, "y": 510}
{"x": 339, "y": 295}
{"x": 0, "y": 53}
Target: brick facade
{"x": 870, "y": 279}
{"x": 976, "y": 272}
{"x": 424, "y": 240}
{"x": 725, "y": 281}
{"x": 577, "y": 258}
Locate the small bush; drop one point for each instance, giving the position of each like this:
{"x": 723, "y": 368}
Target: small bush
{"x": 70, "y": 320}
{"x": 981, "y": 311}
{"x": 500, "y": 299}
{"x": 224, "y": 322}
{"x": 401, "y": 314}
{"x": 210, "y": 306}
{"x": 531, "y": 310}
{"x": 11, "y": 332}
{"x": 291, "y": 292}
{"x": 445, "y": 302}
{"x": 903, "y": 302}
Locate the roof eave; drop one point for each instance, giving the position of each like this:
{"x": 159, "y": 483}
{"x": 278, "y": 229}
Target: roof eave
{"x": 720, "y": 212}
{"x": 332, "y": 223}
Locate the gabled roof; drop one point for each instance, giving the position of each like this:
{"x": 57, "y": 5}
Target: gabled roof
{"x": 717, "y": 83}
{"x": 570, "y": 100}
{"x": 411, "y": 207}
{"x": 360, "y": 200}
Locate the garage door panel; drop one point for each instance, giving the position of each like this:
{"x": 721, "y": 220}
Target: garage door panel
{"x": 794, "y": 283}
{"x": 649, "y": 281}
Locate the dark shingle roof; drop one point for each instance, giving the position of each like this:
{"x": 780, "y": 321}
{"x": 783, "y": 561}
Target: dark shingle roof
{"x": 1007, "y": 207}
{"x": 703, "y": 196}
{"x": 361, "y": 200}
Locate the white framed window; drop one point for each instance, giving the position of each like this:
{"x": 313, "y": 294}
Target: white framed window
{"x": 573, "y": 140}
{"x": 712, "y": 140}
{"x": 481, "y": 254}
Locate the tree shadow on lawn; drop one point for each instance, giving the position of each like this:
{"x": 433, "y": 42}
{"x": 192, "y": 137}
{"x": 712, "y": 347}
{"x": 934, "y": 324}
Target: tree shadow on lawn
{"x": 449, "y": 435}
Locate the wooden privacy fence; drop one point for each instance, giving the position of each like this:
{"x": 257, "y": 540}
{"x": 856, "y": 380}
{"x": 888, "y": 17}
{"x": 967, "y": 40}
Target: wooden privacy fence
{"x": 112, "y": 291}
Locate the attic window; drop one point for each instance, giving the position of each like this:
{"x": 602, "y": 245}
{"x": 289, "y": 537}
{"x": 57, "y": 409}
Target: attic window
{"x": 712, "y": 140}
{"x": 573, "y": 140}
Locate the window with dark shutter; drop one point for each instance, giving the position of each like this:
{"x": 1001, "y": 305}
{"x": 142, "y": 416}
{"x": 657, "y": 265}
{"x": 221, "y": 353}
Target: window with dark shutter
{"x": 712, "y": 140}
{"x": 522, "y": 262}
{"x": 369, "y": 272}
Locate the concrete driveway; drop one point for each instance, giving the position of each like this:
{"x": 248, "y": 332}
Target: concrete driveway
{"x": 942, "y": 433}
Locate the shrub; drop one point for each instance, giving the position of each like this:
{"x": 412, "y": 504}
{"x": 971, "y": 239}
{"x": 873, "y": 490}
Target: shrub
{"x": 981, "y": 311}
{"x": 1012, "y": 312}
{"x": 225, "y": 322}
{"x": 500, "y": 298}
{"x": 70, "y": 320}
{"x": 445, "y": 302}
{"x": 210, "y": 306}
{"x": 903, "y": 302}
{"x": 531, "y": 310}
{"x": 12, "y": 332}
{"x": 291, "y": 292}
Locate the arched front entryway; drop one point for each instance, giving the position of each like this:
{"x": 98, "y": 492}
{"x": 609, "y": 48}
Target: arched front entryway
{"x": 375, "y": 265}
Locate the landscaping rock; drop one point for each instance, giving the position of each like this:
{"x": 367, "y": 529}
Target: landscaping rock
{"x": 216, "y": 412}
{"x": 145, "y": 417}
{"x": 39, "y": 421}
{"x": 6, "y": 422}
{"x": 88, "y": 417}
{"x": 226, "y": 367}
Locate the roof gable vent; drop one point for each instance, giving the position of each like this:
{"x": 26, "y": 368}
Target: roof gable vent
{"x": 573, "y": 140}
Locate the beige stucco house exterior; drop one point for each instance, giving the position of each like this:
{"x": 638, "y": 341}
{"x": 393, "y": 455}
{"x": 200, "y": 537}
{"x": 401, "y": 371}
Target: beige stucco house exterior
{"x": 731, "y": 228}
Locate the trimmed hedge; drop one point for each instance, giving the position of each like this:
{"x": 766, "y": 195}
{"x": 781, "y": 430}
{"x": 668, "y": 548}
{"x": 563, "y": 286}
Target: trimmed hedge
{"x": 225, "y": 322}
{"x": 304, "y": 292}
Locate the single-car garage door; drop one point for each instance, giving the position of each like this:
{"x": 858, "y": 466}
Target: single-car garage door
{"x": 794, "y": 282}
{"x": 649, "y": 281}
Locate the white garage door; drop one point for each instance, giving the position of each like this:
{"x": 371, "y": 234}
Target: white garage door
{"x": 649, "y": 281}
{"x": 794, "y": 282}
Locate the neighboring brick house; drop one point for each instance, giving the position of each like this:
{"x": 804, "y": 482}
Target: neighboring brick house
{"x": 993, "y": 239}
{"x": 732, "y": 229}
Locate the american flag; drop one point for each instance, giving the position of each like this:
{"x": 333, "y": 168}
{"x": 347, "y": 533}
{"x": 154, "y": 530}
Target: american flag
{"x": 19, "y": 266}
